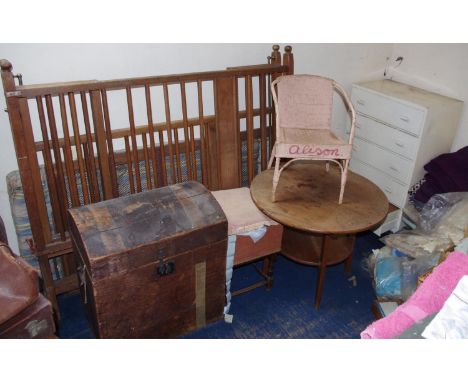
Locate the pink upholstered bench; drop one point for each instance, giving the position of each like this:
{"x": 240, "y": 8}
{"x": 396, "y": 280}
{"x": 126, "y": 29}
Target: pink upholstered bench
{"x": 244, "y": 218}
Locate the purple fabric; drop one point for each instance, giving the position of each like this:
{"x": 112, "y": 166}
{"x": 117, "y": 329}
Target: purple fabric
{"x": 429, "y": 188}
{"x": 451, "y": 168}
{"x": 445, "y": 173}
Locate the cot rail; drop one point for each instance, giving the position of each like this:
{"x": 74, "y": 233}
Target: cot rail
{"x": 96, "y": 140}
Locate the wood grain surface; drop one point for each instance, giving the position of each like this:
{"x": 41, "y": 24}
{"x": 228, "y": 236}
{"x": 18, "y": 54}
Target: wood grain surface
{"x": 152, "y": 264}
{"x": 307, "y": 199}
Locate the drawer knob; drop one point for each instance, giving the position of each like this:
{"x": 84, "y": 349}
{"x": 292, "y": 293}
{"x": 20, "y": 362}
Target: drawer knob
{"x": 404, "y": 118}
{"x": 399, "y": 144}
{"x": 394, "y": 169}
{"x": 360, "y": 102}
{"x": 388, "y": 190}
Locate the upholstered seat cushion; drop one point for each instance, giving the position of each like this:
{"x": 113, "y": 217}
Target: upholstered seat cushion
{"x": 241, "y": 213}
{"x": 321, "y": 144}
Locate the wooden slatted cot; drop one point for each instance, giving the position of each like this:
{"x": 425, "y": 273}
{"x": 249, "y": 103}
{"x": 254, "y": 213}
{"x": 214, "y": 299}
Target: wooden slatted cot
{"x": 83, "y": 153}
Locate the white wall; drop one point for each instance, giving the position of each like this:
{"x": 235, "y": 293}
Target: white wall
{"x": 441, "y": 68}
{"x": 347, "y": 63}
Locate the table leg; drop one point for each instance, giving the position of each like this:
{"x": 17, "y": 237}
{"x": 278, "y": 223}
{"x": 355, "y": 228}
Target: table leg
{"x": 321, "y": 270}
{"x": 320, "y": 250}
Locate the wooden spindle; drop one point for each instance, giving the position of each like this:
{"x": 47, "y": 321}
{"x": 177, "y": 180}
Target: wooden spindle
{"x": 249, "y": 127}
{"x": 263, "y": 132}
{"x": 63, "y": 199}
{"x": 110, "y": 145}
{"x": 275, "y": 59}
{"x": 129, "y": 165}
{"x": 161, "y": 160}
{"x": 269, "y": 115}
{"x": 86, "y": 157}
{"x": 92, "y": 175}
{"x": 49, "y": 168}
{"x": 169, "y": 132}
{"x": 76, "y": 136}
{"x": 204, "y": 158}
{"x": 147, "y": 164}
{"x": 68, "y": 155}
{"x": 149, "y": 114}
{"x": 131, "y": 120}
{"x": 193, "y": 157}
{"x": 177, "y": 155}
{"x": 101, "y": 144}
{"x": 188, "y": 162}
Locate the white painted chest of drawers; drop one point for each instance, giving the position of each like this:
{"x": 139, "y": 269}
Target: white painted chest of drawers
{"x": 399, "y": 128}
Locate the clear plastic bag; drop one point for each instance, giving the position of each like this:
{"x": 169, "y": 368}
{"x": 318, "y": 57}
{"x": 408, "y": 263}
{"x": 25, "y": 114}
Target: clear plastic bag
{"x": 439, "y": 207}
{"x": 409, "y": 254}
{"x": 454, "y": 223}
{"x": 387, "y": 273}
{"x": 416, "y": 243}
{"x": 396, "y": 274}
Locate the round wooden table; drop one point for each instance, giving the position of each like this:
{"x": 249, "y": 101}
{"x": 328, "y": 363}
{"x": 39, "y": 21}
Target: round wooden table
{"x": 317, "y": 230}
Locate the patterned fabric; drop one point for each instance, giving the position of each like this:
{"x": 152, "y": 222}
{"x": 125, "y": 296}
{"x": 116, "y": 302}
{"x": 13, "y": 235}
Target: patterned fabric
{"x": 412, "y": 192}
{"x": 20, "y": 214}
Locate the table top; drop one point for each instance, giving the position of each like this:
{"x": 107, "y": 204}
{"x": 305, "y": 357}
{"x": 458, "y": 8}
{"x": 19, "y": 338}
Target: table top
{"x": 307, "y": 199}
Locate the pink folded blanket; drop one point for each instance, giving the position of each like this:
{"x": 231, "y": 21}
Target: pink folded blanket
{"x": 427, "y": 299}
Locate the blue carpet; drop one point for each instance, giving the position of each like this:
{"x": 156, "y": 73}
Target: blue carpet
{"x": 287, "y": 311}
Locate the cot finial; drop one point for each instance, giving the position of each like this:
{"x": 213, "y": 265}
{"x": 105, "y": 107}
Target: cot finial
{"x": 288, "y": 59}
{"x": 275, "y": 57}
{"x": 5, "y": 65}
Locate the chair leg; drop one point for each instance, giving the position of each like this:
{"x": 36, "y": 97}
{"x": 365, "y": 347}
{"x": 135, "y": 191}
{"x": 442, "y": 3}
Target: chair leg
{"x": 272, "y": 157}
{"x": 268, "y": 264}
{"x": 49, "y": 289}
{"x": 344, "y": 175}
{"x": 276, "y": 176}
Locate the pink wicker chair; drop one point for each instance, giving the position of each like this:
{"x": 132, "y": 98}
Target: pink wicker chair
{"x": 303, "y": 105}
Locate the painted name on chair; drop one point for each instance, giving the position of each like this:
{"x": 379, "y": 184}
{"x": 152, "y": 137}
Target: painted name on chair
{"x": 308, "y": 150}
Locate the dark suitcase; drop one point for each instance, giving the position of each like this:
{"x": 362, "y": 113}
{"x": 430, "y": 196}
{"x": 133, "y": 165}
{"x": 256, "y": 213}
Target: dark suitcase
{"x": 24, "y": 313}
{"x": 35, "y": 321}
{"x": 152, "y": 264}
{"x": 19, "y": 285}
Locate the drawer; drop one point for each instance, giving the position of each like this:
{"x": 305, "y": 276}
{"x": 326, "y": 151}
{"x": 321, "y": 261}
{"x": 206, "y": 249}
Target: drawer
{"x": 395, "y": 192}
{"x": 385, "y": 161}
{"x": 391, "y": 223}
{"x": 387, "y": 137}
{"x": 388, "y": 110}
